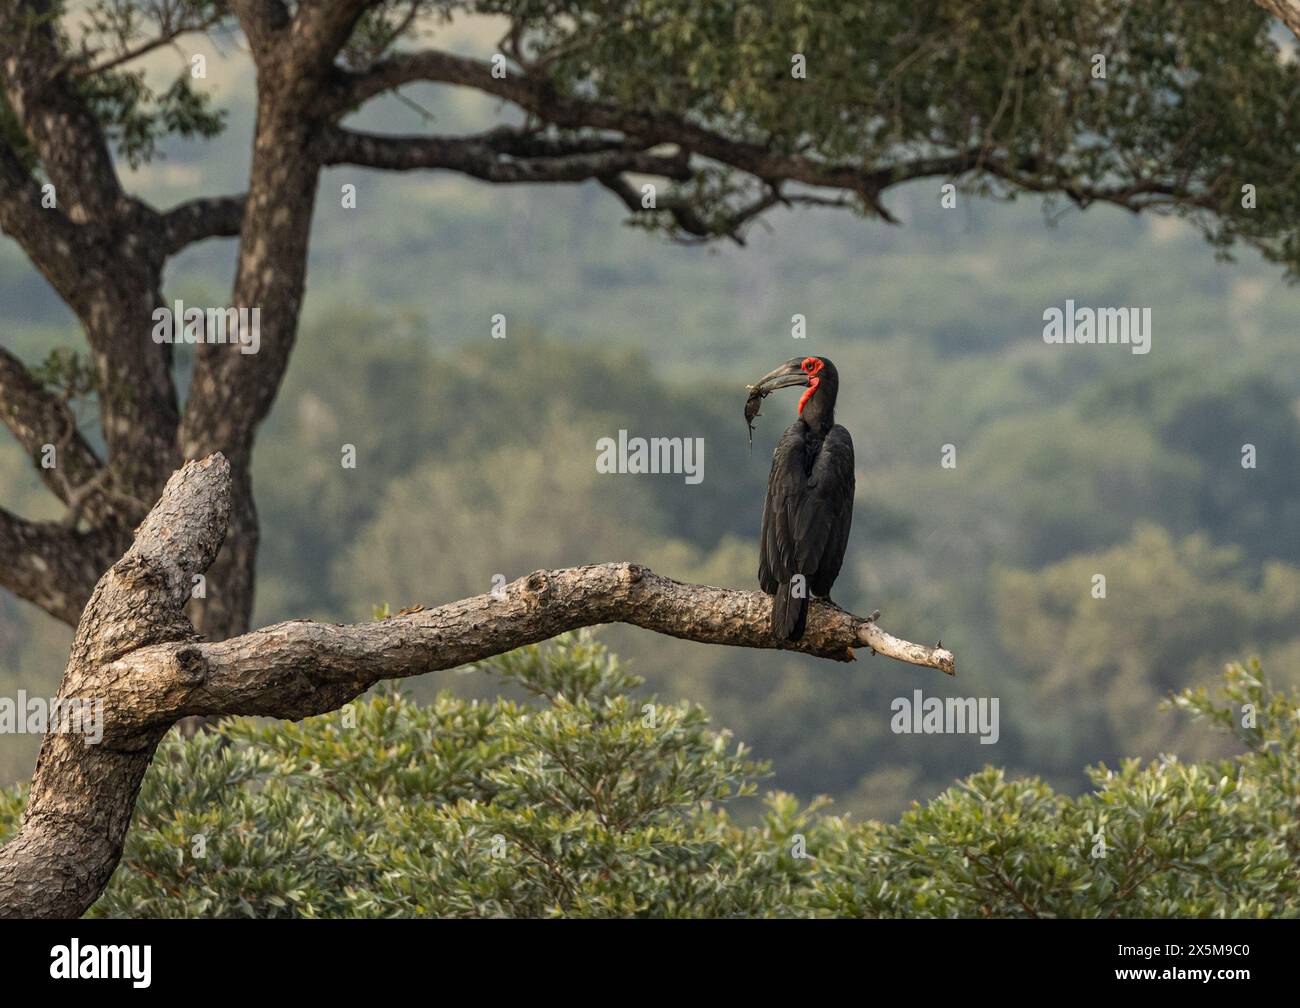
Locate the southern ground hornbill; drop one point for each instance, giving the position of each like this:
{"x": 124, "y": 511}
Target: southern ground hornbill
{"x": 809, "y": 505}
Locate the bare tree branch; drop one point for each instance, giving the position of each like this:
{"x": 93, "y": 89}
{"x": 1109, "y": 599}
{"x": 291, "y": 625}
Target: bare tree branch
{"x": 51, "y": 566}
{"x": 197, "y": 219}
{"x": 137, "y": 653}
{"x": 301, "y": 668}
{"x": 38, "y": 417}
{"x": 482, "y": 158}
{"x": 55, "y": 245}
{"x": 82, "y": 793}
{"x": 526, "y": 143}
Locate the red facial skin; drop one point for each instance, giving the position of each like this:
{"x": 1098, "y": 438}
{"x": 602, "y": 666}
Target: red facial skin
{"x": 810, "y": 365}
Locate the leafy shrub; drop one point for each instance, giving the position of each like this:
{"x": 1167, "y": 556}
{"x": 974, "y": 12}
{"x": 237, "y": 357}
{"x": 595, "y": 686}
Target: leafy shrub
{"x": 592, "y": 803}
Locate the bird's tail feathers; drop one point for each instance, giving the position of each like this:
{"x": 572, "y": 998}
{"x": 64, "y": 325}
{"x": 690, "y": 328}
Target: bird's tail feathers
{"x": 789, "y": 613}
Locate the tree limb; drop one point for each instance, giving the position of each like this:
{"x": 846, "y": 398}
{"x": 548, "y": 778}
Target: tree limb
{"x": 109, "y": 273}
{"x": 83, "y": 793}
{"x": 37, "y": 417}
{"x": 50, "y": 565}
{"x": 68, "y": 138}
{"x": 300, "y": 668}
{"x": 100, "y": 251}
{"x": 648, "y": 126}
{"x": 197, "y": 219}
{"x": 137, "y": 653}
{"x": 262, "y": 22}
{"x": 483, "y": 158}
{"x": 687, "y": 217}
{"x": 1286, "y": 11}
{"x": 55, "y": 245}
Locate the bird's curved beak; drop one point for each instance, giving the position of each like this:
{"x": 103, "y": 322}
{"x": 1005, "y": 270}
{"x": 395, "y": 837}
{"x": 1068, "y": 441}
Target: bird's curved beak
{"x": 789, "y": 373}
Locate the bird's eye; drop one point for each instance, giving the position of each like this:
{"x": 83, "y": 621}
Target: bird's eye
{"x": 808, "y": 363}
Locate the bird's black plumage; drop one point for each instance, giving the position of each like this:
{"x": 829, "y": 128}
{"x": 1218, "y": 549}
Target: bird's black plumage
{"x": 809, "y": 505}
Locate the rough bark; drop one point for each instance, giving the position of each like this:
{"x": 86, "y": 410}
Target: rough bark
{"x": 480, "y": 158}
{"x": 64, "y": 132}
{"x": 52, "y": 566}
{"x": 82, "y": 795}
{"x": 232, "y": 392}
{"x": 137, "y": 653}
{"x": 1286, "y": 11}
{"x": 36, "y": 418}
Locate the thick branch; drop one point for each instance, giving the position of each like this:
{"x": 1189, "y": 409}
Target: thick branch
{"x": 262, "y": 22}
{"x": 83, "y": 791}
{"x": 109, "y": 273}
{"x": 301, "y": 668}
{"x": 37, "y": 417}
{"x": 197, "y": 219}
{"x": 648, "y": 126}
{"x": 51, "y": 566}
{"x": 55, "y": 245}
{"x": 104, "y": 257}
{"x": 482, "y": 157}
{"x": 687, "y": 217}
{"x": 137, "y": 653}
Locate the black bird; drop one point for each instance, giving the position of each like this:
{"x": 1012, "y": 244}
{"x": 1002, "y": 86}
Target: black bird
{"x": 809, "y": 505}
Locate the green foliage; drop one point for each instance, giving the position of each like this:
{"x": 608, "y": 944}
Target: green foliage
{"x": 1189, "y": 92}
{"x": 1168, "y": 839}
{"x": 387, "y": 22}
{"x": 887, "y": 82}
{"x": 67, "y": 372}
{"x": 1203, "y": 418}
{"x": 594, "y": 803}
{"x": 591, "y": 804}
{"x": 1173, "y": 612}
{"x": 136, "y": 117}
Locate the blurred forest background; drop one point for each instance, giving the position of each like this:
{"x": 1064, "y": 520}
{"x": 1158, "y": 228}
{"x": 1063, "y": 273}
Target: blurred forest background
{"x": 477, "y": 456}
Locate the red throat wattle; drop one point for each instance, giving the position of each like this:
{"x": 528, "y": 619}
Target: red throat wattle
{"x": 811, "y": 365}
{"x": 812, "y": 387}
